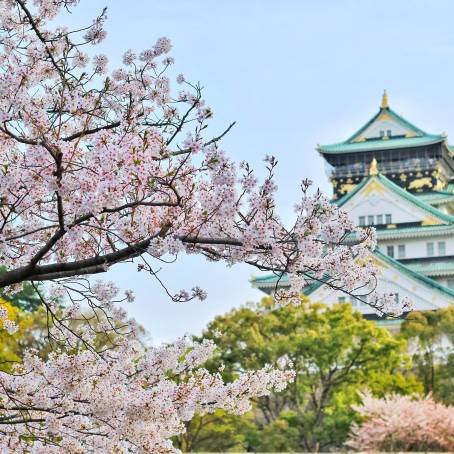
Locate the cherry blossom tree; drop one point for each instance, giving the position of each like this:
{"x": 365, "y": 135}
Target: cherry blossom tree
{"x": 403, "y": 423}
{"x": 99, "y": 168}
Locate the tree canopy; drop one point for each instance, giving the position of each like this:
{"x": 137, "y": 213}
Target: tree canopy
{"x": 335, "y": 353}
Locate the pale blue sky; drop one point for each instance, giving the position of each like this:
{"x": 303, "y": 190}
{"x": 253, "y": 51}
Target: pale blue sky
{"x": 292, "y": 74}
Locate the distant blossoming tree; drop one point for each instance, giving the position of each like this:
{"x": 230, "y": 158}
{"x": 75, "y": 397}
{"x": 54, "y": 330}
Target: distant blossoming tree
{"x": 100, "y": 168}
{"x": 403, "y": 423}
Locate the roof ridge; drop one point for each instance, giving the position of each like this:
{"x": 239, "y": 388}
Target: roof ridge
{"x": 399, "y": 118}
{"x": 413, "y": 132}
{"x": 412, "y": 198}
{"x": 379, "y": 144}
{"x": 409, "y": 124}
{"x": 394, "y": 263}
{"x": 391, "y": 261}
{"x": 415, "y": 274}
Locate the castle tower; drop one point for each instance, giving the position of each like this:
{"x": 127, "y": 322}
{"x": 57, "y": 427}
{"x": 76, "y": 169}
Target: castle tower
{"x": 399, "y": 179}
{"x": 408, "y": 156}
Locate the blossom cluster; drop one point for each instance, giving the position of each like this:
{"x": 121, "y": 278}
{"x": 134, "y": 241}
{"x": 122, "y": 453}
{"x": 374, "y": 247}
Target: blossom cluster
{"x": 403, "y": 423}
{"x": 99, "y": 167}
{"x": 125, "y": 399}
{"x": 92, "y": 177}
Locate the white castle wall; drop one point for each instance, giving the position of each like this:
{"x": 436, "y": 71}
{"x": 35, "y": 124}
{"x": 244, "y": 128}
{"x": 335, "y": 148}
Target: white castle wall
{"x": 374, "y": 203}
{"x": 417, "y": 247}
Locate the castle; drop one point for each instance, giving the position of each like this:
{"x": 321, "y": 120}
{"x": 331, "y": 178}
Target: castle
{"x": 394, "y": 176}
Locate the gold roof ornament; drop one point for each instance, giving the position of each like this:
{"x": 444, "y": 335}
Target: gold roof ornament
{"x": 384, "y": 100}
{"x": 373, "y": 168}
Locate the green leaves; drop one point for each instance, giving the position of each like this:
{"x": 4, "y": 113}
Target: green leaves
{"x": 432, "y": 332}
{"x": 335, "y": 352}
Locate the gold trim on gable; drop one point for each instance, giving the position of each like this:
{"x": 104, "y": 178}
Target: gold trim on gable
{"x": 431, "y": 221}
{"x": 374, "y": 186}
{"x": 378, "y": 262}
{"x": 383, "y": 117}
{"x": 359, "y": 139}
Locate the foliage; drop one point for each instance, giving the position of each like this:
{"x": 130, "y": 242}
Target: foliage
{"x": 403, "y": 423}
{"x": 26, "y": 299}
{"x": 431, "y": 338}
{"x": 32, "y": 334}
{"x": 335, "y": 353}
{"x": 216, "y": 432}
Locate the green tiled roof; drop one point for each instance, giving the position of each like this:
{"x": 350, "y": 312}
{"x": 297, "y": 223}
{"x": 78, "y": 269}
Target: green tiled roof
{"x": 410, "y": 270}
{"x": 417, "y": 137}
{"x": 436, "y": 197}
{"x": 399, "y": 191}
{"x": 420, "y": 277}
{"x": 415, "y": 232}
{"x": 410, "y": 126}
{"x": 379, "y": 144}
{"x": 404, "y": 269}
{"x": 434, "y": 269}
{"x": 270, "y": 280}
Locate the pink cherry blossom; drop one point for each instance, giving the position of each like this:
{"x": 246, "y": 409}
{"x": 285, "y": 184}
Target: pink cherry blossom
{"x": 101, "y": 167}
{"x": 403, "y": 423}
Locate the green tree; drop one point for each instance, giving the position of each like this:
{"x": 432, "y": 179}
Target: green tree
{"x": 335, "y": 353}
{"x": 430, "y": 335}
{"x": 218, "y": 432}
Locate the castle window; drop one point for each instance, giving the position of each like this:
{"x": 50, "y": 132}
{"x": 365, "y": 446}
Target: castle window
{"x": 389, "y": 133}
{"x": 379, "y": 219}
{"x": 370, "y": 220}
{"x": 382, "y": 133}
{"x": 362, "y": 221}
{"x": 401, "y": 251}
{"x": 430, "y": 249}
{"x": 388, "y": 218}
{"x": 441, "y": 248}
{"x": 390, "y": 251}
{"x": 341, "y": 299}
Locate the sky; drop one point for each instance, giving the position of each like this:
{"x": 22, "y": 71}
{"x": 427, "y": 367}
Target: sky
{"x": 292, "y": 74}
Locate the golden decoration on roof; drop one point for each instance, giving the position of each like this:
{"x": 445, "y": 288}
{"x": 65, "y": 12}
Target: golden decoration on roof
{"x": 384, "y": 116}
{"x": 384, "y": 100}
{"x": 429, "y": 220}
{"x": 374, "y": 186}
{"x": 419, "y": 183}
{"x": 346, "y": 187}
{"x": 440, "y": 185}
{"x": 373, "y": 168}
{"x": 359, "y": 139}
